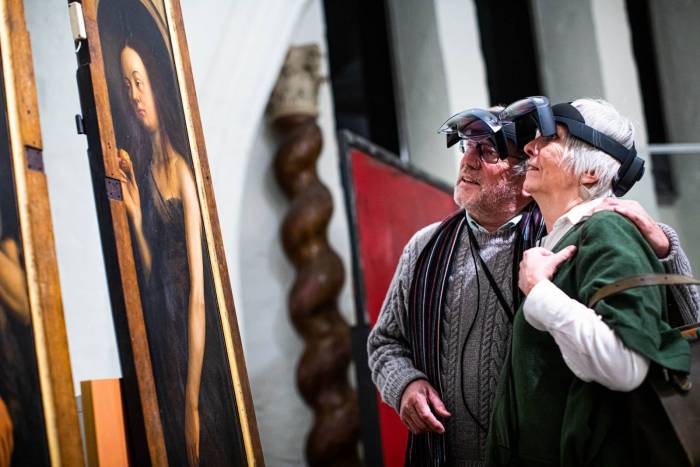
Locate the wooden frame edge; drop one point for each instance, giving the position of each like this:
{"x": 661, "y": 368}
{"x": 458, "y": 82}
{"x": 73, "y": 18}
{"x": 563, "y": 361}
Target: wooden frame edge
{"x": 51, "y": 342}
{"x": 239, "y": 375}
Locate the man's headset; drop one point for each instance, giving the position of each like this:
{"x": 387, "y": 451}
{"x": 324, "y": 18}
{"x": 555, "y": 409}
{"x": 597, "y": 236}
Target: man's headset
{"x": 482, "y": 124}
{"x": 534, "y": 113}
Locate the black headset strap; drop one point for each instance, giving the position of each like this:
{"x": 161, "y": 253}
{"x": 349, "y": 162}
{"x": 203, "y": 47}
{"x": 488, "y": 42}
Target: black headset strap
{"x": 497, "y": 290}
{"x": 598, "y": 140}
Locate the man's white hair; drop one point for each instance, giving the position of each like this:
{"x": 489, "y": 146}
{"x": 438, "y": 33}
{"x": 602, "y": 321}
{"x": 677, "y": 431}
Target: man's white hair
{"x": 582, "y": 158}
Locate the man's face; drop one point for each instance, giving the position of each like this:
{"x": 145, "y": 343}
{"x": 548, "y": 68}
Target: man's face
{"x": 483, "y": 187}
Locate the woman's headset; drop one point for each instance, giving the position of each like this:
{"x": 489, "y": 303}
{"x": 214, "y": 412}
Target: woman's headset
{"x": 537, "y": 111}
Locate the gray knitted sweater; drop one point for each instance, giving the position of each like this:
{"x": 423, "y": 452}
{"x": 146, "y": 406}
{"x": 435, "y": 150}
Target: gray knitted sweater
{"x": 475, "y": 333}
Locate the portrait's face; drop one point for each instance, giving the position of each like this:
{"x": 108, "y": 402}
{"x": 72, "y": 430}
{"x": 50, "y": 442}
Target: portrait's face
{"x": 482, "y": 185}
{"x": 545, "y": 173}
{"x": 138, "y": 88}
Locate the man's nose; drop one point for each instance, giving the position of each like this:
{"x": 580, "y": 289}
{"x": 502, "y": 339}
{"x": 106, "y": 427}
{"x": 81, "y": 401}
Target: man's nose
{"x": 472, "y": 158}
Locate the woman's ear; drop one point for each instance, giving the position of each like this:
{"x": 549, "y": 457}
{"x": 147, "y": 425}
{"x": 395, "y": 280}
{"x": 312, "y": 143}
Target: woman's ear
{"x": 588, "y": 178}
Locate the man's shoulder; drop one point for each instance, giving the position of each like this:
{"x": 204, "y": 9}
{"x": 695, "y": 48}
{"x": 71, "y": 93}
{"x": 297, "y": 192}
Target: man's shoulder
{"x": 421, "y": 237}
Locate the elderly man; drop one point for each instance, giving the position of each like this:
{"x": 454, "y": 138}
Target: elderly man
{"x": 439, "y": 345}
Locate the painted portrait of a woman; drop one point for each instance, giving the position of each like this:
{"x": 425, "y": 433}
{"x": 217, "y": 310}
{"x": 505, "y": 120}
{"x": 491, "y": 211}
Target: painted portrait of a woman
{"x": 22, "y": 431}
{"x": 188, "y": 356}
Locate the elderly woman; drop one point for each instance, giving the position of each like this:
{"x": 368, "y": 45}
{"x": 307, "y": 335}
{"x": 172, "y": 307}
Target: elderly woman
{"x": 572, "y": 370}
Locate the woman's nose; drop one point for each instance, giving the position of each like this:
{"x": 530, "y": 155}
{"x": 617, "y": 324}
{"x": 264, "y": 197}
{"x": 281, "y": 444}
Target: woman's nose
{"x": 531, "y": 148}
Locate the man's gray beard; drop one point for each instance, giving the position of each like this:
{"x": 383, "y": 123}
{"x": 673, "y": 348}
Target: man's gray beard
{"x": 501, "y": 198}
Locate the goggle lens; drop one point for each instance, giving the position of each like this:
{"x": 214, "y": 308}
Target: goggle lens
{"x": 522, "y": 107}
{"x": 471, "y": 123}
{"x": 485, "y": 147}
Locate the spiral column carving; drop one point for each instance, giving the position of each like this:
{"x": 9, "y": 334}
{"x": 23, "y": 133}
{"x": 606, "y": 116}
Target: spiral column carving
{"x": 322, "y": 372}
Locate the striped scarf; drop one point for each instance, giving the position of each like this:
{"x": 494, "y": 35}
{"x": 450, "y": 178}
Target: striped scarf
{"x": 425, "y": 306}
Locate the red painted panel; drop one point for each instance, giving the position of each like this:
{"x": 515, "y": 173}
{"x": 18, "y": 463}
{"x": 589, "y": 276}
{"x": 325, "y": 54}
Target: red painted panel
{"x": 391, "y": 205}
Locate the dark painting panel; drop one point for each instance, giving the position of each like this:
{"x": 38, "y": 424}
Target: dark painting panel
{"x": 23, "y": 438}
{"x": 391, "y": 201}
{"x": 183, "y": 323}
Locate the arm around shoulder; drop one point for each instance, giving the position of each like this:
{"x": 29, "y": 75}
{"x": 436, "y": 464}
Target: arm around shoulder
{"x": 676, "y": 262}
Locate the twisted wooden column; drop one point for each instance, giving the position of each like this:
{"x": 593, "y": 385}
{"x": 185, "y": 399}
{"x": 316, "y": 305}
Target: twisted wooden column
{"x": 322, "y": 371}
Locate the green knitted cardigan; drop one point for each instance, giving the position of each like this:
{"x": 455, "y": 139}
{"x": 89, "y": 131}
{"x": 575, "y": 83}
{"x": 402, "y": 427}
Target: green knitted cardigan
{"x": 543, "y": 414}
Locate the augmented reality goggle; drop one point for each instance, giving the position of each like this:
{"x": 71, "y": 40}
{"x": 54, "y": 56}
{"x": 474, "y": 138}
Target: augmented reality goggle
{"x": 536, "y": 110}
{"x": 478, "y": 125}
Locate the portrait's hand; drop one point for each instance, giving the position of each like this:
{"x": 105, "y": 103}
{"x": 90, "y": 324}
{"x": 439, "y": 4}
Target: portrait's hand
{"x": 416, "y": 402}
{"x": 648, "y": 227}
{"x": 6, "y": 436}
{"x": 539, "y": 264}
{"x": 132, "y": 199}
{"x": 192, "y": 430}
{"x": 13, "y": 284}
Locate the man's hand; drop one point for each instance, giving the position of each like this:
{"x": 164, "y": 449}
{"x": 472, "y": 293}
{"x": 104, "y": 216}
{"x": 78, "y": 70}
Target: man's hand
{"x": 416, "y": 413}
{"x": 645, "y": 223}
{"x": 539, "y": 264}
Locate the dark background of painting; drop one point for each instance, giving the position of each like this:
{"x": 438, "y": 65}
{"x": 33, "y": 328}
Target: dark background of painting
{"x": 19, "y": 380}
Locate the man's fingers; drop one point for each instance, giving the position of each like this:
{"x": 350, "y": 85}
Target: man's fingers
{"x": 437, "y": 404}
{"x": 428, "y": 419}
{"x": 642, "y": 222}
{"x": 416, "y": 422}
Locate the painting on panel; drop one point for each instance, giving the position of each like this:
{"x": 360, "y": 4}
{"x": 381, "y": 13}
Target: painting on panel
{"x": 22, "y": 432}
{"x": 201, "y": 390}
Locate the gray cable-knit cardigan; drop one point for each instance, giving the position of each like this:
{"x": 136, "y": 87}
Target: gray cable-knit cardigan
{"x": 472, "y": 344}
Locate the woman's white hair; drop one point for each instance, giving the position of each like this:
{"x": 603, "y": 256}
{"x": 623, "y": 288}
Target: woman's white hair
{"x": 583, "y": 158}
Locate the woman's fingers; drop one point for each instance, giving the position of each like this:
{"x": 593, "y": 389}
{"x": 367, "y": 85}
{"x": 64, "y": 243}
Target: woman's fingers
{"x": 563, "y": 255}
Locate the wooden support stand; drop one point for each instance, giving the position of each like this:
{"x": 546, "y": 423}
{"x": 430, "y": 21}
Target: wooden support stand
{"x": 103, "y": 417}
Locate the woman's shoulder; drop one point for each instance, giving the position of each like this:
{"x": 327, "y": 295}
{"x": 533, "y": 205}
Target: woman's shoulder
{"x": 181, "y": 170}
{"x": 178, "y": 162}
{"x": 612, "y": 233}
{"x": 610, "y": 223}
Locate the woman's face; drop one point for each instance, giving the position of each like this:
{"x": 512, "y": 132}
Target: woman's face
{"x": 545, "y": 173}
{"x": 138, "y": 88}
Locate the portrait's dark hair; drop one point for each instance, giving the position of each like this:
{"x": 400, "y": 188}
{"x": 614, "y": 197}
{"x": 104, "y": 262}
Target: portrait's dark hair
{"x": 9, "y": 218}
{"x": 127, "y": 23}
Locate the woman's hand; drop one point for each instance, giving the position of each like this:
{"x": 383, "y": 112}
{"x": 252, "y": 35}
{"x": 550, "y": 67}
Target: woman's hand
{"x": 192, "y": 428}
{"x": 539, "y": 264}
{"x": 645, "y": 223}
{"x": 6, "y": 436}
{"x": 132, "y": 199}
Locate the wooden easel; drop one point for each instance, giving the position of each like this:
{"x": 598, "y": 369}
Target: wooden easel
{"x": 103, "y": 418}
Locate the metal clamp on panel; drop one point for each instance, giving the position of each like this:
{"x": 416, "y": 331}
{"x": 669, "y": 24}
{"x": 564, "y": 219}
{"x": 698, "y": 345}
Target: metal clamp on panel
{"x": 114, "y": 188}
{"x": 35, "y": 160}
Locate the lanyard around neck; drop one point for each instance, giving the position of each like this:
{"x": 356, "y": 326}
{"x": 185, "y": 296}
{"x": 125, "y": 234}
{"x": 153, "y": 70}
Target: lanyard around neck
{"x": 497, "y": 290}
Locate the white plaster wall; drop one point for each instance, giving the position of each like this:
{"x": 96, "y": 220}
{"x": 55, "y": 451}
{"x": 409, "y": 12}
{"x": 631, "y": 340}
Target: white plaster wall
{"x": 83, "y": 283}
{"x": 272, "y": 346}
